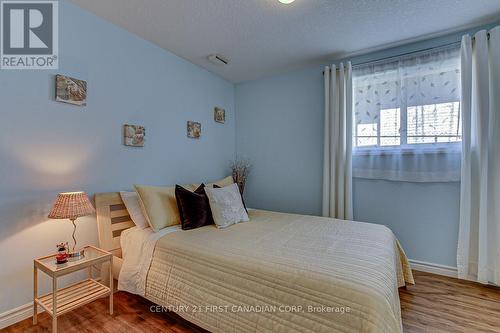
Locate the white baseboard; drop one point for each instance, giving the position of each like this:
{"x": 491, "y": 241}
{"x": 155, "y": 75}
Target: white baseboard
{"x": 26, "y": 311}
{"x": 433, "y": 268}
{"x": 21, "y": 313}
{"x": 16, "y": 315}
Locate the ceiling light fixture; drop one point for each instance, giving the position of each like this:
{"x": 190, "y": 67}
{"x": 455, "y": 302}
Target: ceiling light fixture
{"x": 286, "y": 2}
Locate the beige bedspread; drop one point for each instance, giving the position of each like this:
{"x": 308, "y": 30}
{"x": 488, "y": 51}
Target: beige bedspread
{"x": 282, "y": 273}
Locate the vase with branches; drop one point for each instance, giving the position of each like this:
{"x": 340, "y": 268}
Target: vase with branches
{"x": 240, "y": 169}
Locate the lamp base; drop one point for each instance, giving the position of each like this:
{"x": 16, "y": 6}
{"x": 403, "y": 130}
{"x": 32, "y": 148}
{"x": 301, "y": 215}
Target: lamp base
{"x": 76, "y": 255}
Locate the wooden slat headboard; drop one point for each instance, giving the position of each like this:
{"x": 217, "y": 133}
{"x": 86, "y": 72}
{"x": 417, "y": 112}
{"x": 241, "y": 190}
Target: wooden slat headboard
{"x": 112, "y": 219}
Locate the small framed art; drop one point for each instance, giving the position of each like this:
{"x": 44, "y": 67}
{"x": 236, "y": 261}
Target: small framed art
{"x": 220, "y": 115}
{"x": 134, "y": 135}
{"x": 71, "y": 90}
{"x": 193, "y": 129}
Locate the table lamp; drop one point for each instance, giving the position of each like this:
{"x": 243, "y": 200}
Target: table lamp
{"x": 72, "y": 205}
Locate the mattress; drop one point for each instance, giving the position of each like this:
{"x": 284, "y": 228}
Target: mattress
{"x": 282, "y": 273}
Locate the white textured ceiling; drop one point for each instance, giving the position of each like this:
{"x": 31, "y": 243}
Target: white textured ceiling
{"x": 261, "y": 37}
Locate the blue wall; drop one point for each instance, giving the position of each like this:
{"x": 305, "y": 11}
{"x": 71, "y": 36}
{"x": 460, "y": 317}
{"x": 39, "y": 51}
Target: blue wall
{"x": 47, "y": 147}
{"x": 424, "y": 216}
{"x": 280, "y": 129}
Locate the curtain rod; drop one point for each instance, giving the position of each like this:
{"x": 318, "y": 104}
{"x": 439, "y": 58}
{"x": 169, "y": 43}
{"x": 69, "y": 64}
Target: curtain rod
{"x": 444, "y": 46}
{"x": 440, "y": 47}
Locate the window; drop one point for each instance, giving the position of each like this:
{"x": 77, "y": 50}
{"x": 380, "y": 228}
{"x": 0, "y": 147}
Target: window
{"x": 408, "y": 103}
{"x": 368, "y": 135}
{"x": 434, "y": 123}
{"x": 403, "y": 110}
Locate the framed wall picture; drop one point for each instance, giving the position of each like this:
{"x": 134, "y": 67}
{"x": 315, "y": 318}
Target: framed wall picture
{"x": 134, "y": 135}
{"x": 193, "y": 129}
{"x": 71, "y": 90}
{"x": 220, "y": 115}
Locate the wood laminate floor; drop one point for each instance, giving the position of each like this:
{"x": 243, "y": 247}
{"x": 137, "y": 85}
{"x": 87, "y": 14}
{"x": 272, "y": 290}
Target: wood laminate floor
{"x": 435, "y": 304}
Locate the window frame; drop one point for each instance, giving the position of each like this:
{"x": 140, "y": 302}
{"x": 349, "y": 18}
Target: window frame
{"x": 425, "y": 148}
{"x": 404, "y": 147}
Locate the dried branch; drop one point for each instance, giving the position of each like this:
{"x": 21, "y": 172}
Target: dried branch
{"x": 240, "y": 169}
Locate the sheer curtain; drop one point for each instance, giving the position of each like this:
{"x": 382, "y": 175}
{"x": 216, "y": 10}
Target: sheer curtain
{"x": 407, "y": 118}
{"x": 337, "y": 174}
{"x": 478, "y": 255}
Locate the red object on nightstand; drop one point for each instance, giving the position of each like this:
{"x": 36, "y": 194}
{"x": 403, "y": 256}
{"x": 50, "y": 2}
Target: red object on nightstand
{"x": 62, "y": 255}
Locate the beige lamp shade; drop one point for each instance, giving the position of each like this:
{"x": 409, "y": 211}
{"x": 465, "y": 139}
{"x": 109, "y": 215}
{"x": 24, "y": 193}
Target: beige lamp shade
{"x": 71, "y": 205}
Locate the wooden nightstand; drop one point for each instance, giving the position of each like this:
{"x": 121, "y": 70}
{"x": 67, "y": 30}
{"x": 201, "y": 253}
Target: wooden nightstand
{"x": 69, "y": 298}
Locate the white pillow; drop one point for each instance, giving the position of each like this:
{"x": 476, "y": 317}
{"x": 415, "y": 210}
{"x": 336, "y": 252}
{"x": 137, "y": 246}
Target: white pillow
{"x": 131, "y": 201}
{"x": 226, "y": 205}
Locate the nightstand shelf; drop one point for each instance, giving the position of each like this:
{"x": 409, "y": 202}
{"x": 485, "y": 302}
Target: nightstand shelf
{"x": 63, "y": 300}
{"x": 74, "y": 296}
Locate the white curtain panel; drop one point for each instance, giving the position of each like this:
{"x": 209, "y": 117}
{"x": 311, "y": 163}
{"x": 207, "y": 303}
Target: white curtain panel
{"x": 337, "y": 167}
{"x": 478, "y": 255}
{"x": 407, "y": 118}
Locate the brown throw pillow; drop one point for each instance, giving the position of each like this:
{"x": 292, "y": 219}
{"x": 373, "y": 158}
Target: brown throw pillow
{"x": 194, "y": 209}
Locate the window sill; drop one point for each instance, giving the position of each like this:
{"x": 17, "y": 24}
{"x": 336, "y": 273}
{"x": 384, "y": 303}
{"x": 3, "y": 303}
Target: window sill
{"x": 455, "y": 148}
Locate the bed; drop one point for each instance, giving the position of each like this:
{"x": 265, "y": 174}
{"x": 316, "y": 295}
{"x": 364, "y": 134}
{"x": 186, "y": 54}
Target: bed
{"x": 277, "y": 273}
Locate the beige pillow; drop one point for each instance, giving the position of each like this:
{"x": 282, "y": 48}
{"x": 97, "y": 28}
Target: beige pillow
{"x": 223, "y": 182}
{"x": 159, "y": 206}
